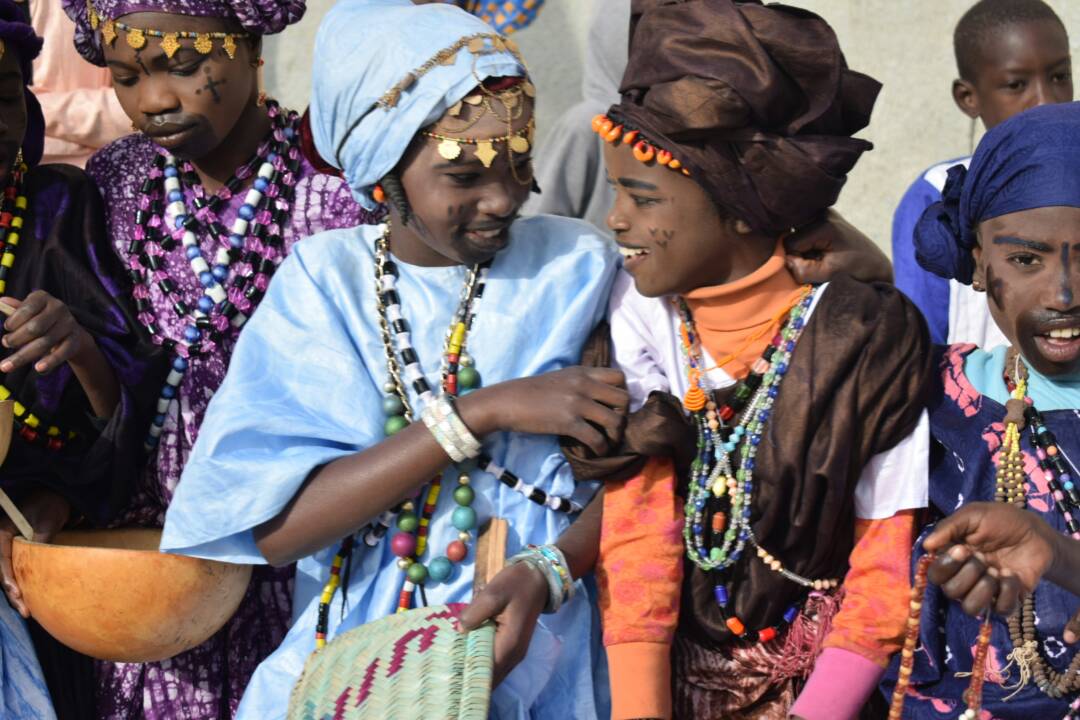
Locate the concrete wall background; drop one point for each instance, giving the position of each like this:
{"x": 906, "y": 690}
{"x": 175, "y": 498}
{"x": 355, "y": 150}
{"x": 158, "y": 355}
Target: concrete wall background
{"x": 906, "y": 45}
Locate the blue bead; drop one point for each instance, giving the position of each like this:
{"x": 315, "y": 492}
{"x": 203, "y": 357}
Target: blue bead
{"x": 220, "y": 272}
{"x": 773, "y": 392}
{"x": 246, "y": 211}
{"x": 159, "y": 420}
{"x": 789, "y": 616}
{"x": 179, "y": 220}
{"x": 171, "y": 171}
{"x": 261, "y": 185}
{"x": 748, "y": 463}
{"x": 763, "y": 416}
{"x": 192, "y": 333}
{"x": 175, "y": 196}
{"x": 206, "y": 304}
{"x": 740, "y": 431}
{"x": 168, "y": 392}
{"x": 290, "y": 133}
{"x": 272, "y": 157}
{"x": 703, "y": 553}
{"x": 180, "y": 364}
{"x": 391, "y": 405}
{"x": 697, "y": 528}
{"x": 1065, "y": 477}
{"x": 720, "y": 592}
{"x": 789, "y": 346}
{"x": 799, "y": 323}
{"x": 700, "y": 504}
{"x": 236, "y": 241}
{"x": 153, "y": 441}
{"x": 207, "y": 279}
{"x": 464, "y": 518}
{"x": 1069, "y": 487}
{"x": 755, "y": 440}
{"x": 439, "y": 569}
{"x": 729, "y": 447}
{"x": 193, "y": 252}
{"x": 781, "y": 368}
{"x": 1043, "y": 429}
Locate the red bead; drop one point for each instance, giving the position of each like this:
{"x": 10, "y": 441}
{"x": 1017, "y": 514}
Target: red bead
{"x": 451, "y": 384}
{"x": 28, "y": 434}
{"x": 403, "y": 544}
{"x": 767, "y": 634}
{"x": 726, "y": 413}
{"x": 456, "y": 551}
{"x": 54, "y": 444}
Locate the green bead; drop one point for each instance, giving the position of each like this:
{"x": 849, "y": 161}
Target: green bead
{"x": 439, "y": 569}
{"x": 417, "y": 573}
{"x": 468, "y": 378}
{"x": 716, "y": 554}
{"x": 464, "y": 518}
{"x": 395, "y": 424}
{"x": 408, "y": 522}
{"x": 391, "y": 405}
{"x": 464, "y": 495}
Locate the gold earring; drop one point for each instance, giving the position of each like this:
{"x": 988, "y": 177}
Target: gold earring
{"x": 976, "y": 286}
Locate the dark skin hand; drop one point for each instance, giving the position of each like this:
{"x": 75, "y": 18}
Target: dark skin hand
{"x": 516, "y": 596}
{"x": 199, "y": 107}
{"x": 47, "y": 514}
{"x": 461, "y": 214}
{"x": 990, "y": 555}
{"x": 43, "y": 332}
{"x": 684, "y": 242}
{"x": 1021, "y": 65}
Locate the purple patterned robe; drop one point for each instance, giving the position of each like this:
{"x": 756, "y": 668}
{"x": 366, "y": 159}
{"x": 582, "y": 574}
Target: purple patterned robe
{"x": 205, "y": 683}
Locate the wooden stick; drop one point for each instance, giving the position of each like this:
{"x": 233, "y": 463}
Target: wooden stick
{"x": 490, "y": 552}
{"x": 7, "y": 309}
{"x": 13, "y": 512}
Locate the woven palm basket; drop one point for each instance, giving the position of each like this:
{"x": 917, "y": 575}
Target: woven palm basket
{"x": 412, "y": 665}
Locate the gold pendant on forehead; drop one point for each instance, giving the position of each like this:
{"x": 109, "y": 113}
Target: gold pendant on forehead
{"x": 170, "y": 43}
{"x": 229, "y": 46}
{"x": 108, "y": 32}
{"x": 203, "y": 43}
{"x": 519, "y": 144}
{"x": 136, "y": 39}
{"x": 486, "y": 153}
{"x": 450, "y": 149}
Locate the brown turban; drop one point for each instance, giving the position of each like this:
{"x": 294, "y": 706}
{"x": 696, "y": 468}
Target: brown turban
{"x": 757, "y": 101}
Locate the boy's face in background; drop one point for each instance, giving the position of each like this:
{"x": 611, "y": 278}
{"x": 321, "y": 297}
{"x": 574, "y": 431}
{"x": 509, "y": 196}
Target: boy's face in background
{"x": 1029, "y": 264}
{"x": 1021, "y": 66}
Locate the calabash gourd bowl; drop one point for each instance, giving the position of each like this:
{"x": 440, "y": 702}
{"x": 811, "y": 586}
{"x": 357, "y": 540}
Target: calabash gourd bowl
{"x": 111, "y": 595}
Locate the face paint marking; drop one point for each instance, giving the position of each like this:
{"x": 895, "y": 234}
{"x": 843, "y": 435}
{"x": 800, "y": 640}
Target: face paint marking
{"x": 211, "y": 86}
{"x": 1066, "y": 278}
{"x": 995, "y": 288}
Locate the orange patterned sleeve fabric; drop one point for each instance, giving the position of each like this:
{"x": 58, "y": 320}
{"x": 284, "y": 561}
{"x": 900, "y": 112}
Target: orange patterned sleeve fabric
{"x": 873, "y": 616}
{"x": 639, "y": 572}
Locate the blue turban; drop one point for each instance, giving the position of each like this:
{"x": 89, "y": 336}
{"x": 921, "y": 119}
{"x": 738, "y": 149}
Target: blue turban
{"x": 1031, "y": 160}
{"x": 385, "y": 69}
{"x": 19, "y": 37}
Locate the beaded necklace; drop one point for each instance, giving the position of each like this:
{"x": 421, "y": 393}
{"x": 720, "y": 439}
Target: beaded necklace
{"x": 12, "y": 212}
{"x": 1010, "y": 487}
{"x": 719, "y": 501}
{"x": 247, "y": 254}
{"x": 458, "y": 374}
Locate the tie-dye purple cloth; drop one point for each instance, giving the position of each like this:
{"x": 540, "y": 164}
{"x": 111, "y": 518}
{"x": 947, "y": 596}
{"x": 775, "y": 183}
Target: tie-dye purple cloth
{"x": 205, "y": 683}
{"x": 258, "y": 17}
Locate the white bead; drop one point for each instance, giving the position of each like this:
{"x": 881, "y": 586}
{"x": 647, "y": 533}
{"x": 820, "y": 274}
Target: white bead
{"x": 199, "y": 265}
{"x": 495, "y": 470}
{"x": 239, "y": 226}
{"x": 222, "y": 257}
{"x": 253, "y": 197}
{"x": 393, "y": 313}
{"x": 266, "y": 170}
{"x": 163, "y": 405}
{"x": 386, "y": 282}
{"x": 389, "y": 387}
{"x": 155, "y": 431}
{"x": 412, "y": 373}
{"x": 217, "y": 293}
{"x": 239, "y": 319}
{"x": 189, "y": 239}
{"x": 172, "y": 183}
{"x": 176, "y": 208}
{"x": 174, "y": 378}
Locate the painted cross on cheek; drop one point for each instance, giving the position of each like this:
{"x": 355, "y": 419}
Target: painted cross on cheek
{"x": 211, "y": 86}
{"x": 1066, "y": 278}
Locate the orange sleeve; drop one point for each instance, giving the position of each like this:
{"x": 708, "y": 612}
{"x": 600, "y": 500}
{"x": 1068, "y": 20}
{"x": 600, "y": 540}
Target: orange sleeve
{"x": 873, "y": 615}
{"x": 639, "y": 572}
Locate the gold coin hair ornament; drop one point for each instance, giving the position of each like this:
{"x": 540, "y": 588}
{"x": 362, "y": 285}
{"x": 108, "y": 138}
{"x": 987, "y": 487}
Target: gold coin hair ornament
{"x": 170, "y": 42}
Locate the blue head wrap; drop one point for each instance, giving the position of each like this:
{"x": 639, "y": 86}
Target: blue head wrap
{"x": 385, "y": 69}
{"x": 1031, "y": 160}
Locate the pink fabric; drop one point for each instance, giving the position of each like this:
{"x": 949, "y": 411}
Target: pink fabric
{"x": 838, "y": 687}
{"x": 81, "y": 111}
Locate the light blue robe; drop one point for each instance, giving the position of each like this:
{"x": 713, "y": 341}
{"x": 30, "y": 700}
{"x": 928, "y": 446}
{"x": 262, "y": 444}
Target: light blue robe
{"x": 23, "y": 694}
{"x": 305, "y": 387}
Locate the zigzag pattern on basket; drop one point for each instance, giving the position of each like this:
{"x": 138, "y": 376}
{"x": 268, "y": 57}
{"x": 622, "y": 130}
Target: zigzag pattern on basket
{"x": 415, "y": 664}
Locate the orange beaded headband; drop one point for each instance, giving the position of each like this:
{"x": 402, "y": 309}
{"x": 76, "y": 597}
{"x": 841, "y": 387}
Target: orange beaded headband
{"x": 644, "y": 152}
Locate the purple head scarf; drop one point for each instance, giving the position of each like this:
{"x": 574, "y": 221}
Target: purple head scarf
{"x": 258, "y": 17}
{"x": 19, "y": 37}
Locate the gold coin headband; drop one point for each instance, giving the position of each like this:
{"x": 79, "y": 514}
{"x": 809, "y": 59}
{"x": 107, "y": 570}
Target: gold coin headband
{"x": 169, "y": 41}
{"x": 519, "y": 142}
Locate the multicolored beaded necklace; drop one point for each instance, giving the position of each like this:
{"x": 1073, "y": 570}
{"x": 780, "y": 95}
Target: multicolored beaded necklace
{"x": 12, "y": 211}
{"x": 718, "y": 505}
{"x": 1011, "y": 487}
{"x": 458, "y": 374}
{"x": 247, "y": 254}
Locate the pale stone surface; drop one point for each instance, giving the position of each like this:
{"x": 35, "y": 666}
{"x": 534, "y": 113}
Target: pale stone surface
{"x": 906, "y": 45}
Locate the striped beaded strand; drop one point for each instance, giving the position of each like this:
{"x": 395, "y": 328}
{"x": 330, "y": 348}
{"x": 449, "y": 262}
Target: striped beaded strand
{"x": 322, "y": 625}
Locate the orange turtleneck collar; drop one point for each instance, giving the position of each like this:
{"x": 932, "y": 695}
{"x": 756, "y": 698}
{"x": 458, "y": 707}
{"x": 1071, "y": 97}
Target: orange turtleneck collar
{"x": 738, "y": 320}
